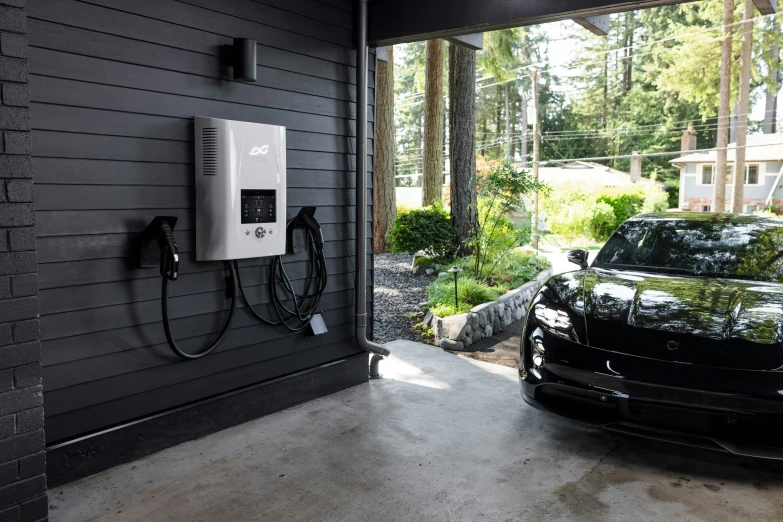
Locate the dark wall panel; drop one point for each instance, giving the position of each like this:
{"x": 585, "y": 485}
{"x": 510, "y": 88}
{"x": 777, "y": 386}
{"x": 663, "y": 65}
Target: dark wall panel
{"x": 114, "y": 87}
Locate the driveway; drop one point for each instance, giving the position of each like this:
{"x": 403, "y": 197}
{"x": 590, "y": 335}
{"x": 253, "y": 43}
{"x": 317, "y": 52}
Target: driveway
{"x": 439, "y": 438}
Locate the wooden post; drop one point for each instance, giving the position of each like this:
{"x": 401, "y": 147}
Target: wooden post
{"x": 536, "y": 153}
{"x": 738, "y": 198}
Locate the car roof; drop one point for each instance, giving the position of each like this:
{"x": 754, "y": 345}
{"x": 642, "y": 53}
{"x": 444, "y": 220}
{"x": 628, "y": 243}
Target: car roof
{"x": 707, "y": 217}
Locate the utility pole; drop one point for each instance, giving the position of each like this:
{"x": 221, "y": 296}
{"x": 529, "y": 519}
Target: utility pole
{"x": 536, "y": 134}
{"x": 719, "y": 176}
{"x": 523, "y": 143}
{"x": 744, "y": 102}
{"x": 508, "y": 123}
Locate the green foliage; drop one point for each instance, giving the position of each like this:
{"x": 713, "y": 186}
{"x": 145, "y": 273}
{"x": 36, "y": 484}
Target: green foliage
{"x": 427, "y": 229}
{"x": 500, "y": 191}
{"x": 579, "y": 212}
{"x": 424, "y": 261}
{"x": 517, "y": 268}
{"x": 623, "y": 205}
{"x": 602, "y": 220}
{"x": 470, "y": 292}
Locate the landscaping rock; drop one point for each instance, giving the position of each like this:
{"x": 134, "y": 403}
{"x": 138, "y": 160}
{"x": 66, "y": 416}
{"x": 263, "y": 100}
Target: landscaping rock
{"x": 429, "y": 271}
{"x": 417, "y": 270}
{"x": 397, "y": 290}
{"x": 427, "y": 318}
{"x": 486, "y": 319}
{"x": 453, "y": 326}
{"x": 448, "y": 344}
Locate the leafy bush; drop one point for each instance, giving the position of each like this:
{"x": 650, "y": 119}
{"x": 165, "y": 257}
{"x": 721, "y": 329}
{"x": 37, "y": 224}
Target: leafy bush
{"x": 427, "y": 229}
{"x": 520, "y": 267}
{"x": 470, "y": 292}
{"x": 624, "y": 205}
{"x": 602, "y": 220}
{"x": 500, "y": 191}
{"x": 576, "y": 211}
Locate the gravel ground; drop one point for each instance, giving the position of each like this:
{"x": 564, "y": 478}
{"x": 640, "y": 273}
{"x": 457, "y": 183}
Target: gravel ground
{"x": 397, "y": 292}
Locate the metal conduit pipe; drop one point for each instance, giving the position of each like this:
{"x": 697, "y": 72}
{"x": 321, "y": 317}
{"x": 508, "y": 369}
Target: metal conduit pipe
{"x": 361, "y": 192}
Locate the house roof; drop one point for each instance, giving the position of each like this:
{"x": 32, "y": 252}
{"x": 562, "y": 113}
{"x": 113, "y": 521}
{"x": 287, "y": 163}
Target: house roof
{"x": 760, "y": 147}
{"x": 588, "y": 172}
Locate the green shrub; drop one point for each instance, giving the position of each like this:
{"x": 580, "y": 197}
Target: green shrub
{"x": 500, "y": 191}
{"x": 470, "y": 292}
{"x": 427, "y": 229}
{"x": 602, "y": 220}
{"x": 424, "y": 261}
{"x": 624, "y": 205}
{"x": 577, "y": 211}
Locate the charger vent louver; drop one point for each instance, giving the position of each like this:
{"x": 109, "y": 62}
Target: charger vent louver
{"x": 209, "y": 151}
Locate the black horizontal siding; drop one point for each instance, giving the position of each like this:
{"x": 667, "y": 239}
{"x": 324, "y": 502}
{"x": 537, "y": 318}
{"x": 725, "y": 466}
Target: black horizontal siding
{"x": 114, "y": 88}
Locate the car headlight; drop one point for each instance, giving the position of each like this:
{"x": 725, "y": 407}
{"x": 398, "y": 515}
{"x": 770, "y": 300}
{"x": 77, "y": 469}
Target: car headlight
{"x": 556, "y": 321}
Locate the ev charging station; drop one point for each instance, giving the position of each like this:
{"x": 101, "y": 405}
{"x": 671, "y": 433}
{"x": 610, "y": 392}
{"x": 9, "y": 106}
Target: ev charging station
{"x": 240, "y": 213}
{"x": 240, "y": 190}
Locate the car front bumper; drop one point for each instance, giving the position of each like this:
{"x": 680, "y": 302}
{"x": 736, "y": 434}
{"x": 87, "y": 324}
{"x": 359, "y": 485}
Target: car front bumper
{"x": 739, "y": 412}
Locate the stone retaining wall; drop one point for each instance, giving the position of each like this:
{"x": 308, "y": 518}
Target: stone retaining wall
{"x": 458, "y": 332}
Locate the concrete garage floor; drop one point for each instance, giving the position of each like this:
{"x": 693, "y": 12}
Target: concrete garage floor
{"x": 441, "y": 437}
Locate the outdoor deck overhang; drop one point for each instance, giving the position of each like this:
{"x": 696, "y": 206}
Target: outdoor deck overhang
{"x": 400, "y": 21}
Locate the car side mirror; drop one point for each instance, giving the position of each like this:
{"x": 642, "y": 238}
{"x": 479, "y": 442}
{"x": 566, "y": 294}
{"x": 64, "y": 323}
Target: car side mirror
{"x": 579, "y": 257}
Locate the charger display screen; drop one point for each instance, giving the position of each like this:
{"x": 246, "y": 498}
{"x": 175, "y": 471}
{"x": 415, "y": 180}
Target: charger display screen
{"x": 258, "y": 206}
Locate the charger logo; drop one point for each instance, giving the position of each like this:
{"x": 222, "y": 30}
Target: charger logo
{"x": 259, "y": 150}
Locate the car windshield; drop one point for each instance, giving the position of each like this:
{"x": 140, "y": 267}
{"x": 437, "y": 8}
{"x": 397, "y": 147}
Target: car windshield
{"x": 740, "y": 247}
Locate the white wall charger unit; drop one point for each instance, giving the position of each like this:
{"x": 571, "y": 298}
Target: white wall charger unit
{"x": 240, "y": 189}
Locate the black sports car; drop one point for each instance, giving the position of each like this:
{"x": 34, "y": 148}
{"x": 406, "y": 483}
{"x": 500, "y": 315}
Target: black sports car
{"x": 674, "y": 332}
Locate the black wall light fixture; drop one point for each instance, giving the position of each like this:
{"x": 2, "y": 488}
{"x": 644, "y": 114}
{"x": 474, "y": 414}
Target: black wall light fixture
{"x": 243, "y": 60}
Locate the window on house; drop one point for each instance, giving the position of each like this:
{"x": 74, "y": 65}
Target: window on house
{"x": 706, "y": 208}
{"x": 706, "y": 174}
{"x": 752, "y": 175}
{"x": 751, "y": 209}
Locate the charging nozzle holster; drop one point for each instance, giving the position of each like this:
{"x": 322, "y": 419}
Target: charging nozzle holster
{"x": 159, "y": 248}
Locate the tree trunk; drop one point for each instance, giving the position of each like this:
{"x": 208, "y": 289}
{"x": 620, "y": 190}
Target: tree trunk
{"x": 719, "y": 177}
{"x": 738, "y": 198}
{"x": 432, "y": 181}
{"x": 770, "y": 112}
{"x": 462, "y": 142}
{"x": 384, "y": 201}
{"x": 628, "y": 71}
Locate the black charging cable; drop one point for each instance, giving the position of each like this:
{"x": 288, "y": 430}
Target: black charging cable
{"x": 169, "y": 271}
{"x": 305, "y": 305}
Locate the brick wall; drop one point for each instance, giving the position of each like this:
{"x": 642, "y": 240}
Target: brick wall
{"x": 22, "y": 456}
{"x": 695, "y": 204}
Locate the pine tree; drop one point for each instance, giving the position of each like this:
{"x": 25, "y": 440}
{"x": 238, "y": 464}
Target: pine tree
{"x": 384, "y": 201}
{"x": 432, "y": 175}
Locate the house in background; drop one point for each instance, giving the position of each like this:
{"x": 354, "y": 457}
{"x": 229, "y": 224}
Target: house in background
{"x": 763, "y": 172}
{"x": 593, "y": 174}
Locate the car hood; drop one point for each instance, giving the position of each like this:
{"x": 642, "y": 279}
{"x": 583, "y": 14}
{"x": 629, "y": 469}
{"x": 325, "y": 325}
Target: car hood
{"x": 710, "y": 321}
